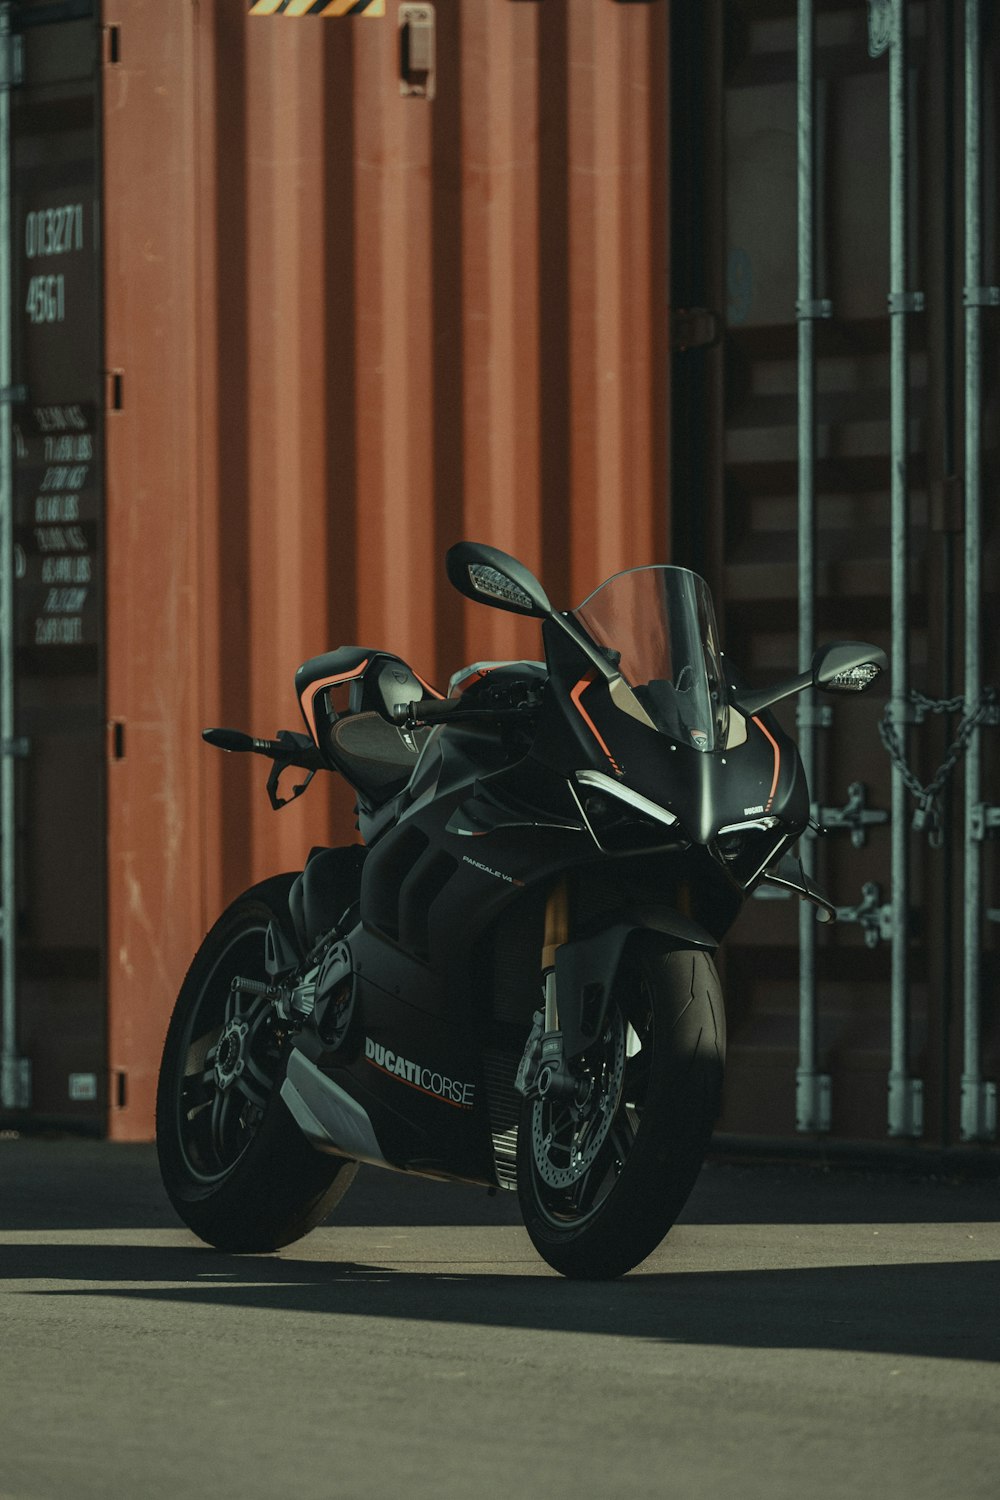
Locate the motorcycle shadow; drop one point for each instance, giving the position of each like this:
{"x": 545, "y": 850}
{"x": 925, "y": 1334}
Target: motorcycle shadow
{"x": 932, "y": 1309}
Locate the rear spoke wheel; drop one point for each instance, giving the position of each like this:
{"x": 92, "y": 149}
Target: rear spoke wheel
{"x": 198, "y": 1089}
{"x": 235, "y": 1165}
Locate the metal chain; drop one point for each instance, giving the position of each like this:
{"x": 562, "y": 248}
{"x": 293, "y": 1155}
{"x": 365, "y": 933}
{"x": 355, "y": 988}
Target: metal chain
{"x": 927, "y": 816}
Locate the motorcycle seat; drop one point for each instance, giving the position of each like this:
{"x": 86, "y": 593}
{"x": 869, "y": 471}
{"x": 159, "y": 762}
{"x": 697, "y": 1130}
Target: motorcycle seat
{"x": 347, "y": 698}
{"x": 376, "y": 757}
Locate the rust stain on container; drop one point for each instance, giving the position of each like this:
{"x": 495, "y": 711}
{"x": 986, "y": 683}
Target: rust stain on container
{"x": 353, "y": 326}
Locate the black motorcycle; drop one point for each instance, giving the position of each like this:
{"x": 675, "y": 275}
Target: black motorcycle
{"x": 509, "y": 981}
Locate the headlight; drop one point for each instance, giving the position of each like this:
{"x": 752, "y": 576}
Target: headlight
{"x": 620, "y": 819}
{"x": 745, "y": 848}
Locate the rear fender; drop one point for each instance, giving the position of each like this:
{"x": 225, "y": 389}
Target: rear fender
{"x": 586, "y": 968}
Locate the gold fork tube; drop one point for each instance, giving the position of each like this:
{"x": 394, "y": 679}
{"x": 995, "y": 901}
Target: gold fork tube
{"x": 556, "y": 933}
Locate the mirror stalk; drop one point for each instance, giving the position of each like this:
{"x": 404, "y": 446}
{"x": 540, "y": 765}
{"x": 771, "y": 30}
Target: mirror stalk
{"x": 840, "y": 667}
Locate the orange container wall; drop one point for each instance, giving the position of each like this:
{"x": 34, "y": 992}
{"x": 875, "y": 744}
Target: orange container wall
{"x": 352, "y": 327}
{"x": 154, "y": 691}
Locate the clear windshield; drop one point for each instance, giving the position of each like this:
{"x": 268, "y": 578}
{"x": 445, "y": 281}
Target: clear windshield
{"x": 661, "y": 623}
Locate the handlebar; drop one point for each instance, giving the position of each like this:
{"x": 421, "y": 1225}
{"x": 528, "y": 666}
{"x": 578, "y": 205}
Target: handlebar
{"x": 440, "y": 710}
{"x": 426, "y": 711}
{"x": 292, "y": 749}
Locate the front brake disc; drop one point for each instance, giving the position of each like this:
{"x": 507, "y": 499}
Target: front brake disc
{"x": 566, "y": 1138}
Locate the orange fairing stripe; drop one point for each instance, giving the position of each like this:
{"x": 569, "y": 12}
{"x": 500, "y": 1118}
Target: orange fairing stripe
{"x": 470, "y": 682}
{"x": 315, "y": 688}
{"x": 777, "y": 761}
{"x": 432, "y": 692}
{"x": 576, "y": 694}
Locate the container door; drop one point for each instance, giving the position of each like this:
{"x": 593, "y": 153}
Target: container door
{"x": 58, "y": 609}
{"x": 889, "y": 517}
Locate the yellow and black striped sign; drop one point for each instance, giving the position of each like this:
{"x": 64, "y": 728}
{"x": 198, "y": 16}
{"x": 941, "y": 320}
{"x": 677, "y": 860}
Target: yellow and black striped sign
{"x": 317, "y": 7}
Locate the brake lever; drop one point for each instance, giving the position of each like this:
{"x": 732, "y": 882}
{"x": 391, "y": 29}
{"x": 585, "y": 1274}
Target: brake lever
{"x": 289, "y": 749}
{"x": 298, "y": 750}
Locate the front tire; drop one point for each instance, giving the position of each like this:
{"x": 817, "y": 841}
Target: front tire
{"x": 235, "y": 1165}
{"x": 601, "y": 1183}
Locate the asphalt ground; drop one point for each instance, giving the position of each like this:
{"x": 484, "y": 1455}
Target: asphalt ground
{"x": 800, "y": 1332}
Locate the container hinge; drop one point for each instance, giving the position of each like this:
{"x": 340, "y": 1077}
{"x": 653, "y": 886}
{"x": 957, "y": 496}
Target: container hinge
{"x": 855, "y": 815}
{"x": 813, "y": 715}
{"x": 993, "y": 914}
{"x": 9, "y": 394}
{"x": 985, "y": 821}
{"x": 694, "y": 328}
{"x": 416, "y": 51}
{"x": 981, "y": 296}
{"x": 905, "y": 302}
{"x": 906, "y": 1106}
{"x": 979, "y": 1110}
{"x": 809, "y": 312}
{"x": 16, "y": 749}
{"x": 871, "y": 914}
{"x": 11, "y": 60}
{"x": 879, "y": 27}
{"x": 15, "y": 1083}
{"x": 813, "y": 1107}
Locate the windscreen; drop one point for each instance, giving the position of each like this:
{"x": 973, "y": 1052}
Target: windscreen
{"x": 660, "y": 624}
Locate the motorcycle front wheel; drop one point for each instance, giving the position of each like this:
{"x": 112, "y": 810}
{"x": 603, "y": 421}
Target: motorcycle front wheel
{"x": 603, "y": 1177}
{"x": 234, "y": 1164}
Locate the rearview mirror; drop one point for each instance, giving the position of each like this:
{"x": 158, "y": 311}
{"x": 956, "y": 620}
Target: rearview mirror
{"x": 492, "y": 577}
{"x": 840, "y": 667}
{"x": 847, "y": 666}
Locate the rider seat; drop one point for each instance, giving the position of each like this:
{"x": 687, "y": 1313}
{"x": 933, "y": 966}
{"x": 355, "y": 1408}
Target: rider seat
{"x": 347, "y": 698}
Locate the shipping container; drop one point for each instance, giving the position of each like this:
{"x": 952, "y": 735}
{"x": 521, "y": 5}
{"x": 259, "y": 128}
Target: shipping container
{"x": 302, "y": 297}
{"x": 353, "y": 310}
{"x": 843, "y": 429}
{"x": 54, "y": 835}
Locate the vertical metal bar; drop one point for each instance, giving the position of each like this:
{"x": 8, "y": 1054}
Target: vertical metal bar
{"x": 811, "y": 1092}
{"x": 942, "y": 38}
{"x": 9, "y": 1065}
{"x": 978, "y": 1119}
{"x": 905, "y": 1095}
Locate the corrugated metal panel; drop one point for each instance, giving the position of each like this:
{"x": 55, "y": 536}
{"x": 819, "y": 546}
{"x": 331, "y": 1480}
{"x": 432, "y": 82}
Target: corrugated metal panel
{"x": 154, "y": 515}
{"x": 353, "y": 326}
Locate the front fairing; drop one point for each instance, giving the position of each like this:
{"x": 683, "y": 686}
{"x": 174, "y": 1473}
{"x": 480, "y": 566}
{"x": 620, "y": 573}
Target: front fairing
{"x": 710, "y": 793}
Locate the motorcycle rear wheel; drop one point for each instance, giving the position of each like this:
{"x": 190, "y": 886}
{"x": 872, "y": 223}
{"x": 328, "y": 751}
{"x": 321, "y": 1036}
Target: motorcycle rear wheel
{"x": 600, "y": 1185}
{"x": 235, "y": 1166}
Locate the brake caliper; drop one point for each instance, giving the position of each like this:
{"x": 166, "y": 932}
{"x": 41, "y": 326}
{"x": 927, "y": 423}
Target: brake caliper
{"x": 544, "y": 1072}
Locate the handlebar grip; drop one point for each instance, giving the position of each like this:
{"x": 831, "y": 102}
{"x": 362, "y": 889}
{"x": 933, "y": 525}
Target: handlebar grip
{"x": 228, "y": 739}
{"x": 301, "y": 753}
{"x": 426, "y": 710}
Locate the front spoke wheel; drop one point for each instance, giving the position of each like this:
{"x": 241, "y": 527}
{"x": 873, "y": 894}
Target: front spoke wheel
{"x": 601, "y": 1182}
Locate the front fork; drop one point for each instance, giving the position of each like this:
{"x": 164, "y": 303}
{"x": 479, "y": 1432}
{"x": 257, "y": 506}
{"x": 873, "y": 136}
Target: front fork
{"x": 544, "y": 1071}
{"x": 556, "y": 933}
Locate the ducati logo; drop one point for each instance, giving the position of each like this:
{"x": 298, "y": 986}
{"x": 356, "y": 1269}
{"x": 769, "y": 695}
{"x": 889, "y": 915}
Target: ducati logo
{"x": 424, "y": 1080}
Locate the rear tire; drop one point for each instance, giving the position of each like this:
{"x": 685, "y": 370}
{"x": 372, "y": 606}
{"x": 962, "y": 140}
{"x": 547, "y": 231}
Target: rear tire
{"x": 236, "y": 1167}
{"x": 600, "y": 1186}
